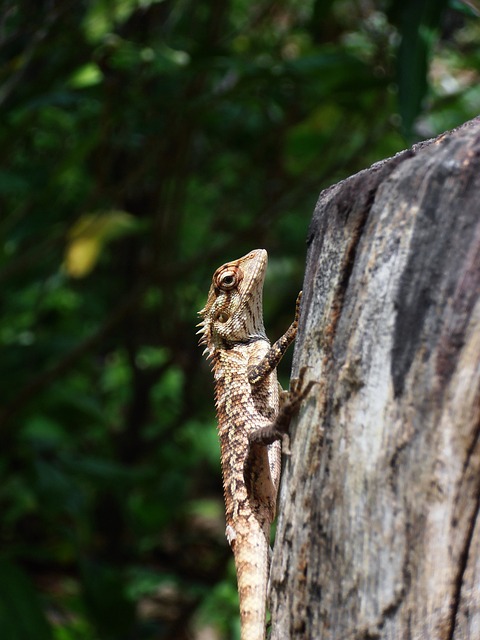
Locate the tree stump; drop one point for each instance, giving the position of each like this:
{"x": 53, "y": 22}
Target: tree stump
{"x": 378, "y": 533}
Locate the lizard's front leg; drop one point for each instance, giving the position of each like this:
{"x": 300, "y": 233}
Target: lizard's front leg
{"x": 289, "y": 401}
{"x": 272, "y": 358}
{"x": 278, "y": 429}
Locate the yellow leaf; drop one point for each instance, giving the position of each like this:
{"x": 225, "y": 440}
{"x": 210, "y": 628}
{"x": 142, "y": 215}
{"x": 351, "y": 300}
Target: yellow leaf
{"x": 81, "y": 256}
{"x": 88, "y": 236}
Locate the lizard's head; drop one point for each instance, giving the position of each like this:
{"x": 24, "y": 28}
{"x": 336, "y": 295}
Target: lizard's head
{"x": 233, "y": 312}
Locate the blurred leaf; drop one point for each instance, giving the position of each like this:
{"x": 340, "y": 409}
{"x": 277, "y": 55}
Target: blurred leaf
{"x": 306, "y": 139}
{"x": 21, "y": 616}
{"x": 220, "y": 607}
{"x": 419, "y": 24}
{"x": 42, "y": 429}
{"x": 86, "y": 76}
{"x": 467, "y": 7}
{"x": 88, "y": 236}
{"x": 105, "y": 595}
{"x": 11, "y": 182}
{"x": 145, "y": 582}
{"x": 19, "y": 499}
{"x": 151, "y": 357}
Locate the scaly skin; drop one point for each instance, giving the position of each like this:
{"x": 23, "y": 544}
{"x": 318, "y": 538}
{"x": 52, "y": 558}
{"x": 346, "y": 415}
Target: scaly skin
{"x": 253, "y": 415}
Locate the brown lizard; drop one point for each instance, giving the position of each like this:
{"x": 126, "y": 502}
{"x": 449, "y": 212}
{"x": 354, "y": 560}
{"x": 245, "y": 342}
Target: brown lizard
{"x": 253, "y": 415}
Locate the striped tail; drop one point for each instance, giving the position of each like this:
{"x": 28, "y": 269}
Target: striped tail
{"x": 252, "y": 564}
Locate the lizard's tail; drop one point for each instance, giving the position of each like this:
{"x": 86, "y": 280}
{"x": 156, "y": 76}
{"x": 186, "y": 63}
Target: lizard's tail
{"x": 252, "y": 565}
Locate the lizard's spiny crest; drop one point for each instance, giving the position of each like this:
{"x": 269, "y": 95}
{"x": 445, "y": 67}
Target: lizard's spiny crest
{"x": 233, "y": 312}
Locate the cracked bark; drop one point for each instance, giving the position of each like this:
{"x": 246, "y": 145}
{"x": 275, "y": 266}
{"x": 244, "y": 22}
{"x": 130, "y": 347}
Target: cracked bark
{"x": 378, "y": 533}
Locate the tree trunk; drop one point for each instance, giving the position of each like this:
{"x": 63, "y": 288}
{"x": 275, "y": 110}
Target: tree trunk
{"x": 378, "y": 533}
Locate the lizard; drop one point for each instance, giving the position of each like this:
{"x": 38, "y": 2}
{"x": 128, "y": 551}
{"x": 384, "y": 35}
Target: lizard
{"x": 253, "y": 415}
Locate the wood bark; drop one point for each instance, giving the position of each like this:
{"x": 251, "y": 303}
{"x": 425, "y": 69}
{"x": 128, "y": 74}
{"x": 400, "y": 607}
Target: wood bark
{"x": 379, "y": 533}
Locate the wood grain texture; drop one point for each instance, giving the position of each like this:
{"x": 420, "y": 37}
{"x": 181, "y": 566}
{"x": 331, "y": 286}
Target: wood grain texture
{"x": 378, "y": 534}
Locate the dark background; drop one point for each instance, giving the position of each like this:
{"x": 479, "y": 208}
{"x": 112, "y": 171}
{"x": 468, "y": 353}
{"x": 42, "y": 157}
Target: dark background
{"x": 143, "y": 144}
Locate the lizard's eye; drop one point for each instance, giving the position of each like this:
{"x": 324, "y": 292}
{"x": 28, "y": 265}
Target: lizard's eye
{"x": 228, "y": 278}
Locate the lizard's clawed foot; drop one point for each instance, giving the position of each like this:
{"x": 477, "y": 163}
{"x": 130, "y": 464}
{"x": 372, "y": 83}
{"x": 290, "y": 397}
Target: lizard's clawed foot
{"x": 278, "y": 430}
{"x": 299, "y": 390}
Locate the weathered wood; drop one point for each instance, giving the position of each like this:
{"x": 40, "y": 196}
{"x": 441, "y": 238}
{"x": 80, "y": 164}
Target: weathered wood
{"x": 378, "y": 533}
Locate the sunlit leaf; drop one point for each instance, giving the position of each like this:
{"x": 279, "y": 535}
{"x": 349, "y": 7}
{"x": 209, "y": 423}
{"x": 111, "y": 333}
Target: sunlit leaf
{"x": 86, "y": 76}
{"x": 88, "y": 237}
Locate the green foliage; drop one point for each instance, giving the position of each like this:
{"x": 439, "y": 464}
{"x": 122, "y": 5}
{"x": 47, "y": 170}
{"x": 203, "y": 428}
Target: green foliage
{"x": 220, "y": 606}
{"x": 419, "y": 24}
{"x": 144, "y": 142}
{"x": 21, "y": 615}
